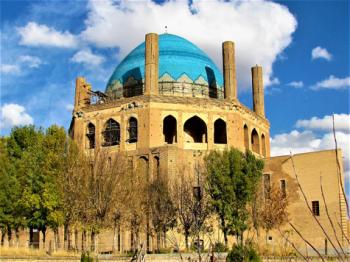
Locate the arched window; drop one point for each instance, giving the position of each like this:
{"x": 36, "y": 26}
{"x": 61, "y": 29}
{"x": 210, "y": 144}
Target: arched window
{"x": 246, "y": 137}
{"x": 255, "y": 141}
{"x": 111, "y": 133}
{"x": 170, "y": 129}
{"x": 132, "y": 130}
{"x": 263, "y": 145}
{"x": 90, "y": 136}
{"x": 220, "y": 136}
{"x": 195, "y": 130}
{"x": 155, "y": 167}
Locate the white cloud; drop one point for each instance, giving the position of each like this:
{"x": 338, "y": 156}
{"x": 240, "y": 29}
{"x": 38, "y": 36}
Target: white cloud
{"x": 296, "y": 84}
{"x": 332, "y": 82}
{"x": 20, "y": 64}
{"x": 308, "y": 141}
{"x": 14, "y": 115}
{"x": 261, "y": 30}
{"x": 34, "y": 34}
{"x": 341, "y": 123}
{"x": 87, "y": 57}
{"x": 31, "y": 61}
{"x": 320, "y": 52}
{"x": 10, "y": 69}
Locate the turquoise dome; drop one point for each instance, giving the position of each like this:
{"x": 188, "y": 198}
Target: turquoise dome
{"x": 177, "y": 58}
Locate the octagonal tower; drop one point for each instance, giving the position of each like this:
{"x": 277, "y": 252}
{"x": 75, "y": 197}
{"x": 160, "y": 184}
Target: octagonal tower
{"x": 167, "y": 99}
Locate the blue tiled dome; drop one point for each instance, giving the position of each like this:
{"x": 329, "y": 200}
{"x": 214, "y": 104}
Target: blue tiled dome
{"x": 177, "y": 58}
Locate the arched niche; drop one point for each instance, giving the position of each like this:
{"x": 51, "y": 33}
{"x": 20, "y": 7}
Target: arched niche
{"x": 170, "y": 129}
{"x": 255, "y": 141}
{"x": 220, "y": 135}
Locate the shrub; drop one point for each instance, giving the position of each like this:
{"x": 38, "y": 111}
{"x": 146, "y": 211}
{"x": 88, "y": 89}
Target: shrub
{"x": 220, "y": 247}
{"x": 240, "y": 253}
{"x": 85, "y": 257}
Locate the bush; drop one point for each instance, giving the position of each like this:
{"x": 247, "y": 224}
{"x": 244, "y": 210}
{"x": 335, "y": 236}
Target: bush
{"x": 240, "y": 253}
{"x": 220, "y": 247}
{"x": 85, "y": 257}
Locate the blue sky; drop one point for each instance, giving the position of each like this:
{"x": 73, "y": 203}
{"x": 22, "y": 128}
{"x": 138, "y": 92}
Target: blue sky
{"x": 302, "y": 45}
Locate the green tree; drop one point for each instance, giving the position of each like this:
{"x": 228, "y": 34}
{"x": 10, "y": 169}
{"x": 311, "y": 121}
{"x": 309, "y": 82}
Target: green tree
{"x": 232, "y": 179}
{"x": 37, "y": 159}
{"x": 10, "y": 213}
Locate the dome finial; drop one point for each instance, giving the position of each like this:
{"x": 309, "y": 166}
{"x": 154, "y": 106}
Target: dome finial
{"x": 166, "y": 29}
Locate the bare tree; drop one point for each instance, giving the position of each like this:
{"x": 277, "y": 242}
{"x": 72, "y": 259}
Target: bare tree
{"x": 163, "y": 213}
{"x": 102, "y": 176}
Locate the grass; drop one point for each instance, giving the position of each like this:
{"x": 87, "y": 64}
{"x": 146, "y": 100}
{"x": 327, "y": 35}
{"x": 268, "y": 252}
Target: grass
{"x": 32, "y": 252}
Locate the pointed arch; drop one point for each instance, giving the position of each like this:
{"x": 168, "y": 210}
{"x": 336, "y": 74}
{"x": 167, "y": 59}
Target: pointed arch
{"x": 90, "y": 134}
{"x": 246, "y": 137}
{"x": 111, "y": 133}
{"x": 195, "y": 130}
{"x": 220, "y": 135}
{"x": 156, "y": 167}
{"x": 255, "y": 141}
{"x": 170, "y": 129}
{"x": 132, "y": 128}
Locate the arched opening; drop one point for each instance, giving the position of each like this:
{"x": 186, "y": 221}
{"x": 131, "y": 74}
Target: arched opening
{"x": 170, "y": 129}
{"x": 263, "y": 145}
{"x": 90, "y": 136}
{"x": 220, "y": 136}
{"x": 155, "y": 167}
{"x": 132, "y": 130}
{"x": 246, "y": 137}
{"x": 195, "y": 130}
{"x": 142, "y": 165}
{"x": 255, "y": 141}
{"x": 111, "y": 133}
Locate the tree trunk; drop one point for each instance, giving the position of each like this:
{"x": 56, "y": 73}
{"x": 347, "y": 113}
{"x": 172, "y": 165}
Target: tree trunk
{"x": 2, "y": 237}
{"x": 17, "y": 237}
{"x": 115, "y": 236}
{"x": 93, "y": 241}
{"x": 31, "y": 237}
{"x": 76, "y": 236}
{"x": 158, "y": 241}
{"x": 44, "y": 236}
{"x": 132, "y": 241}
{"x": 186, "y": 239}
{"x": 65, "y": 236}
{"x": 55, "y": 239}
{"x": 69, "y": 239}
{"x": 83, "y": 241}
{"x": 225, "y": 237}
{"x": 164, "y": 235}
{"x": 9, "y": 236}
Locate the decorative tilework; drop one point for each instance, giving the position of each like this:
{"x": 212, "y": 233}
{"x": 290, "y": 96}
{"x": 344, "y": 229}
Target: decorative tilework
{"x": 179, "y": 59}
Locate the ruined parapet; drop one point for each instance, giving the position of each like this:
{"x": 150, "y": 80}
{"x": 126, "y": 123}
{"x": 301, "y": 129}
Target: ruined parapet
{"x": 229, "y": 68}
{"x": 151, "y": 64}
{"x": 258, "y": 91}
{"x": 82, "y": 94}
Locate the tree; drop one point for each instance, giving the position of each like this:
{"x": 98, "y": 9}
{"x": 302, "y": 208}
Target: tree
{"x": 163, "y": 213}
{"x": 102, "y": 177}
{"x": 233, "y": 178}
{"x": 10, "y": 215}
{"x": 270, "y": 208}
{"x": 191, "y": 203}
